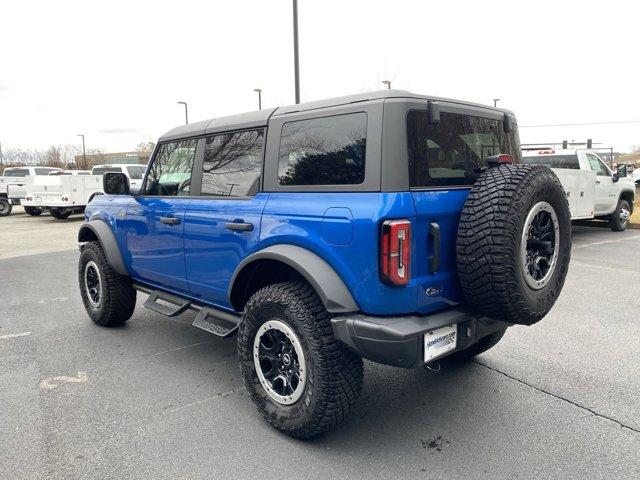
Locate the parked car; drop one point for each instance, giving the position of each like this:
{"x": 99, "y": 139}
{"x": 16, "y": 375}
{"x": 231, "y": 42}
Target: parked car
{"x": 12, "y": 187}
{"x": 65, "y": 194}
{"x": 635, "y": 176}
{"x": 70, "y": 172}
{"x": 389, "y": 226}
{"x": 592, "y": 189}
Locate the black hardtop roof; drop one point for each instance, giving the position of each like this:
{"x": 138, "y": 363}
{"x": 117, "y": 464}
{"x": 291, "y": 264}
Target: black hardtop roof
{"x": 260, "y": 118}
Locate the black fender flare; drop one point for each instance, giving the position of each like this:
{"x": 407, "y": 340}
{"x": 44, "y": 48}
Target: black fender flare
{"x": 100, "y": 230}
{"x": 630, "y": 194}
{"x": 333, "y": 292}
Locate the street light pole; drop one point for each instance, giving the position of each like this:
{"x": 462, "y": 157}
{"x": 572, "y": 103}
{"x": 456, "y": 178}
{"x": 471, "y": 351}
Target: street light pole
{"x": 84, "y": 152}
{"x": 495, "y": 102}
{"x": 387, "y": 83}
{"x": 296, "y": 64}
{"x": 186, "y": 113}
{"x": 259, "y": 92}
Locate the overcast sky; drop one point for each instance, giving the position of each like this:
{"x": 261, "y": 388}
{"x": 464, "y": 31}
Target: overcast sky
{"x": 115, "y": 69}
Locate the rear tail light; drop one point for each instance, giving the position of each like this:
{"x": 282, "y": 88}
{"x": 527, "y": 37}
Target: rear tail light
{"x": 395, "y": 252}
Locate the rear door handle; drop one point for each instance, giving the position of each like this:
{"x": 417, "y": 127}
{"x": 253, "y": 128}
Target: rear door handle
{"x": 434, "y": 260}
{"x": 239, "y": 226}
{"x": 170, "y": 220}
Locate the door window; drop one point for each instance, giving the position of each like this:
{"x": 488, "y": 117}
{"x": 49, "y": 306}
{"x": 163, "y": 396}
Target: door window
{"x": 597, "y": 166}
{"x": 170, "y": 172}
{"x": 232, "y": 164}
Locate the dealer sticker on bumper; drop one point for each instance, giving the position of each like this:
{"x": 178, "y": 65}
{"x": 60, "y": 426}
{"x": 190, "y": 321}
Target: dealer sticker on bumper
{"x": 440, "y": 341}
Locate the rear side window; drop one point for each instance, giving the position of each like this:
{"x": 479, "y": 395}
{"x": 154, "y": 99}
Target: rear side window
{"x": 232, "y": 164}
{"x": 554, "y": 161}
{"x": 17, "y": 172}
{"x": 170, "y": 172}
{"x": 453, "y": 152}
{"x": 323, "y": 151}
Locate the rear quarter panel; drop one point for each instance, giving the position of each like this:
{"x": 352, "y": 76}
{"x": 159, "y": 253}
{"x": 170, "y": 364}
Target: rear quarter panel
{"x": 321, "y": 223}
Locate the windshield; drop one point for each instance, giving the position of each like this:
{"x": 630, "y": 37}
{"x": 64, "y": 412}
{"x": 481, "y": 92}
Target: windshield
{"x": 17, "y": 172}
{"x": 554, "y": 161}
{"x": 103, "y": 170}
{"x": 135, "y": 172}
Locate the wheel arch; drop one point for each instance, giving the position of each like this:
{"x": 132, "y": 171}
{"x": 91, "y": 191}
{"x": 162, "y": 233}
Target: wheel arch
{"x": 281, "y": 263}
{"x": 629, "y": 196}
{"x": 97, "y": 230}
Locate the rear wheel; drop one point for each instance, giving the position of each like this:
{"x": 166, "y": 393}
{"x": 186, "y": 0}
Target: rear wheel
{"x": 109, "y": 298}
{"x": 620, "y": 218}
{"x": 33, "y": 211}
{"x": 59, "y": 214}
{"x": 302, "y": 380}
{"x": 514, "y": 243}
{"x": 5, "y": 207}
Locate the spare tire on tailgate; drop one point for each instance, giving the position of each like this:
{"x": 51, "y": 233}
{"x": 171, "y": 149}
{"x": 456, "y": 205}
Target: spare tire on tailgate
{"x": 514, "y": 243}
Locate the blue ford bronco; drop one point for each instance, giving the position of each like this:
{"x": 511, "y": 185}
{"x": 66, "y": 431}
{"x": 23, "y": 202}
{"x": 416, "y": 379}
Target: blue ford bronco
{"x": 389, "y": 226}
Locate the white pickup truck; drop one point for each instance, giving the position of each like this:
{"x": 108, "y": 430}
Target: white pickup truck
{"x": 13, "y": 187}
{"x": 593, "y": 191}
{"x": 63, "y": 195}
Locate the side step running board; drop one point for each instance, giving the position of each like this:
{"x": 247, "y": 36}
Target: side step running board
{"x": 217, "y": 322}
{"x": 176, "y": 305}
{"x": 212, "y": 320}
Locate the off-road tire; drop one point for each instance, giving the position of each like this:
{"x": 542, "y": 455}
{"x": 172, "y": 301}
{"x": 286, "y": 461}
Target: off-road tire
{"x": 33, "y": 211}
{"x": 490, "y": 269}
{"x": 615, "y": 223}
{"x": 5, "y": 207}
{"x": 334, "y": 373}
{"x": 59, "y": 214}
{"x": 118, "y": 297}
{"x": 477, "y": 348}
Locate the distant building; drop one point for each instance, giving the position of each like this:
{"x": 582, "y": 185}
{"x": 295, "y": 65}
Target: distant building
{"x": 109, "y": 158}
{"x": 632, "y": 159}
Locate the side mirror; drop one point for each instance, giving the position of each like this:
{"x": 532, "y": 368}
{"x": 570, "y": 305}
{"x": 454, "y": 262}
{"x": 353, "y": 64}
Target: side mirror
{"x": 615, "y": 177}
{"x": 115, "y": 183}
{"x": 622, "y": 170}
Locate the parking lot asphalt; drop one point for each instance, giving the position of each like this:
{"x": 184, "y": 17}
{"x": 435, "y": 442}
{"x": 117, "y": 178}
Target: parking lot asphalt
{"x": 161, "y": 399}
{"x": 21, "y": 234}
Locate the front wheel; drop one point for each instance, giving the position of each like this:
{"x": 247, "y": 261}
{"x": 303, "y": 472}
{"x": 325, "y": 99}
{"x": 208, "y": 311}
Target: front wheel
{"x": 33, "y": 211}
{"x": 5, "y": 207}
{"x": 59, "y": 214}
{"x": 109, "y": 298}
{"x": 302, "y": 380}
{"x": 620, "y": 218}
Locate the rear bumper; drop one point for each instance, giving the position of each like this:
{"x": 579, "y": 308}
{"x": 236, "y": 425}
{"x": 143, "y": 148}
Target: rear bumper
{"x": 398, "y": 341}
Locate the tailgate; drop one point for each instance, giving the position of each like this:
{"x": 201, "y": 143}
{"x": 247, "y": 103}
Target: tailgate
{"x": 434, "y": 231}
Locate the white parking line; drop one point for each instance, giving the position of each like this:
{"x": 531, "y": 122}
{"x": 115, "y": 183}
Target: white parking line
{"x": 603, "y": 267}
{"x": 14, "y": 335}
{"x": 605, "y": 241}
{"x": 53, "y": 382}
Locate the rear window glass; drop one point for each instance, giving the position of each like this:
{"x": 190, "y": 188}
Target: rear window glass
{"x": 135, "y": 172}
{"x": 44, "y": 171}
{"x": 453, "y": 152}
{"x": 554, "y": 161}
{"x": 18, "y": 172}
{"x": 103, "y": 170}
{"x": 323, "y": 151}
